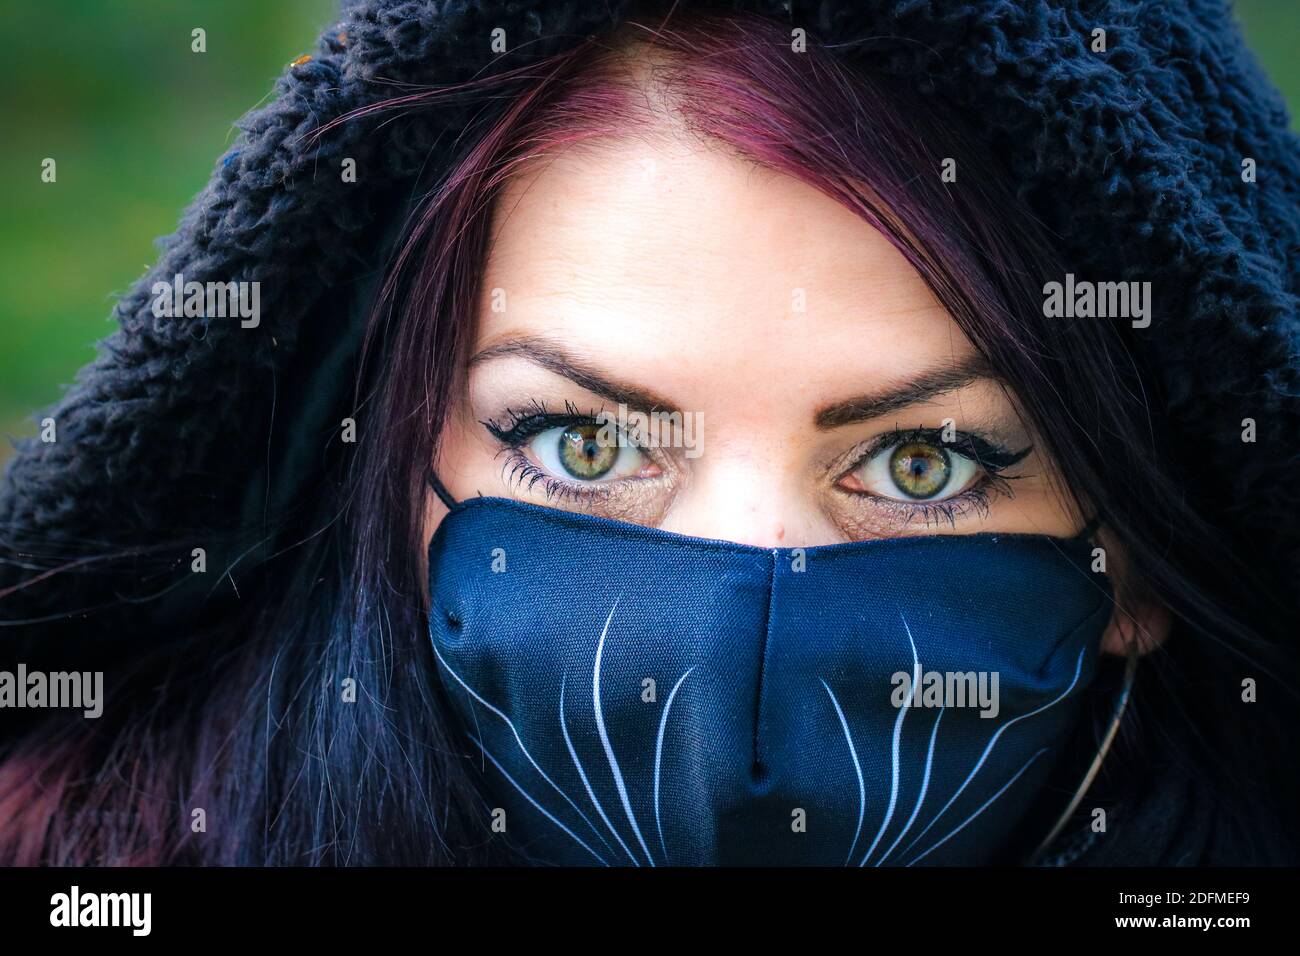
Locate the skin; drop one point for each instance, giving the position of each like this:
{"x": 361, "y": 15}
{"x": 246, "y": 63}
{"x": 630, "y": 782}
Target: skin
{"x": 670, "y": 268}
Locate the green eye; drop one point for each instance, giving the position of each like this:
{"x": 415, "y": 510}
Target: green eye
{"x": 914, "y": 469}
{"x": 919, "y": 469}
{"x": 583, "y": 454}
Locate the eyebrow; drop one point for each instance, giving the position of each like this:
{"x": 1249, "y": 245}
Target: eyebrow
{"x": 553, "y": 358}
{"x": 922, "y": 388}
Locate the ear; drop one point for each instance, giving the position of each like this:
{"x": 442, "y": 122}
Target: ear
{"x": 1144, "y": 624}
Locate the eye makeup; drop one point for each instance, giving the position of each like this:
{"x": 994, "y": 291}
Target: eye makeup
{"x": 517, "y": 429}
{"x": 985, "y": 459}
{"x": 642, "y": 486}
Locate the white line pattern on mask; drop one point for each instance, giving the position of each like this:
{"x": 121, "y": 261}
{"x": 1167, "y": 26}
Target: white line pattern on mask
{"x": 1078, "y": 669}
{"x": 659, "y": 752}
{"x": 604, "y": 737}
{"x": 658, "y": 762}
{"x": 925, "y": 785}
{"x": 526, "y": 796}
{"x": 986, "y": 805}
{"x": 898, "y": 733}
{"x": 857, "y": 768}
{"x": 519, "y": 740}
{"x": 568, "y": 742}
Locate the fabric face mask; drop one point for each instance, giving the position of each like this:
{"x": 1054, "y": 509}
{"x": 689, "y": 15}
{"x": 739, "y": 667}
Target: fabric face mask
{"x": 637, "y": 697}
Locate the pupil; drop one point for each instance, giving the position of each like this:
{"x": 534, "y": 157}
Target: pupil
{"x": 920, "y": 470}
{"x": 582, "y": 453}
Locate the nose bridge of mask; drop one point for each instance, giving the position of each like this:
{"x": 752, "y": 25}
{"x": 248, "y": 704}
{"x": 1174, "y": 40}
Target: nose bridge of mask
{"x": 662, "y": 698}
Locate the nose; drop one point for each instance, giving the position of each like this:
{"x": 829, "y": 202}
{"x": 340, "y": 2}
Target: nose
{"x": 762, "y": 510}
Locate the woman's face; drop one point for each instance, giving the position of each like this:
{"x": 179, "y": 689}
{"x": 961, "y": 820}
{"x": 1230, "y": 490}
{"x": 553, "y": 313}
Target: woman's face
{"x": 821, "y": 393}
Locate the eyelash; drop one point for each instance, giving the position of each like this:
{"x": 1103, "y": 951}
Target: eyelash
{"x": 524, "y": 424}
{"x": 529, "y": 422}
{"x": 992, "y": 459}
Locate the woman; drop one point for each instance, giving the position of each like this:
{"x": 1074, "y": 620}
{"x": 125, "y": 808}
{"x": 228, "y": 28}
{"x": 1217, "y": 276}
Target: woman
{"x": 710, "y": 439}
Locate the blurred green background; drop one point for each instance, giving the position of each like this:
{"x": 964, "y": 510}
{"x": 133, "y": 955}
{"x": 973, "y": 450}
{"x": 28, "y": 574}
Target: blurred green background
{"x": 111, "y": 90}
{"x": 135, "y": 121}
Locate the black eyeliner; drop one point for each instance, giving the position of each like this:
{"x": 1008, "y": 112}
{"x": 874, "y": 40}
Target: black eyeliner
{"x": 993, "y": 458}
{"x": 535, "y": 419}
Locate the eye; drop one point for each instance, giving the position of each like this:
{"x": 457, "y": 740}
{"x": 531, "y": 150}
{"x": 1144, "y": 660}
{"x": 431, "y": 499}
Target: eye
{"x": 587, "y": 452}
{"x": 913, "y": 471}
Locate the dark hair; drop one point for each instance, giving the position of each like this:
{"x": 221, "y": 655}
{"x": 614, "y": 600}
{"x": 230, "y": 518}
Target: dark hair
{"x": 246, "y": 720}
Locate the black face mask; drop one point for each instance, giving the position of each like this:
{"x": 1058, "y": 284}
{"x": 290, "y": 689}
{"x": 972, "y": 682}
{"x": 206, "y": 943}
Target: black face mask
{"x": 636, "y": 697}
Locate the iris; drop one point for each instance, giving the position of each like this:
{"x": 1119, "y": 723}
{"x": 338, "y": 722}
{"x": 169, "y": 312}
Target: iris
{"x": 583, "y": 454}
{"x": 919, "y": 469}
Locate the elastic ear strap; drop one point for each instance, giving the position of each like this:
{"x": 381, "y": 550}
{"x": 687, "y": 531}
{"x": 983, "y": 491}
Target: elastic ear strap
{"x": 440, "y": 490}
{"x": 1130, "y": 672}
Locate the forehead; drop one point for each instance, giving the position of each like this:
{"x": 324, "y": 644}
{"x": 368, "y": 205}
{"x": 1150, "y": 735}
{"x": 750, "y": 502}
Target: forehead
{"x": 679, "y": 259}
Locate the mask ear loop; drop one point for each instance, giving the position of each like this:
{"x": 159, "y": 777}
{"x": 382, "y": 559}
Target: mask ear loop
{"x": 440, "y": 490}
{"x": 1130, "y": 671}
